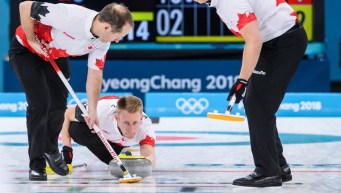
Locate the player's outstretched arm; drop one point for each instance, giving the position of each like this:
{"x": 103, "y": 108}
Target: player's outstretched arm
{"x": 68, "y": 117}
{"x": 67, "y": 151}
{"x": 252, "y": 48}
{"x": 27, "y": 24}
{"x": 148, "y": 152}
{"x": 93, "y": 89}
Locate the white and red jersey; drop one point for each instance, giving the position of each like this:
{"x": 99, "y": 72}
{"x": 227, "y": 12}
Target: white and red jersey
{"x": 274, "y": 17}
{"x": 66, "y": 29}
{"x": 106, "y": 109}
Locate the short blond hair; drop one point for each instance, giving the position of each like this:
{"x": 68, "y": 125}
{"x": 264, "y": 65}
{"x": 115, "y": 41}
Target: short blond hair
{"x": 132, "y": 104}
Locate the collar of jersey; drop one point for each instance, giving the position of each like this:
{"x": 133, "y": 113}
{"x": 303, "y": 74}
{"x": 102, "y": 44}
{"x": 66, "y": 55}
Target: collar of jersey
{"x": 88, "y": 24}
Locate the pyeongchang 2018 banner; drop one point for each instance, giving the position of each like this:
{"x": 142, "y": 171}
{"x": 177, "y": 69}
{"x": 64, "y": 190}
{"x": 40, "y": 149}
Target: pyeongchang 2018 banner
{"x": 199, "y": 104}
{"x": 143, "y": 76}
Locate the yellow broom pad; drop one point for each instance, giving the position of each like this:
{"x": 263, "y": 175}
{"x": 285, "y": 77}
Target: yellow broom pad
{"x": 224, "y": 117}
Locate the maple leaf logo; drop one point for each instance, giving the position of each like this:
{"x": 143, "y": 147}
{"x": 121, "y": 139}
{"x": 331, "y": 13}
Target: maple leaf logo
{"x": 245, "y": 18}
{"x": 38, "y": 9}
{"x": 100, "y": 63}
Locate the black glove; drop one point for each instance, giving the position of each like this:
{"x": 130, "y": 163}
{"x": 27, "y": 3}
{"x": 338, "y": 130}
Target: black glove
{"x": 238, "y": 89}
{"x": 67, "y": 154}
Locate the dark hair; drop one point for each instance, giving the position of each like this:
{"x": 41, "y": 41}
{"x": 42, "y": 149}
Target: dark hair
{"x": 116, "y": 15}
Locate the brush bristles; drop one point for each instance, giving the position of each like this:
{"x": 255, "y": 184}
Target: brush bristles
{"x": 130, "y": 180}
{"x": 224, "y": 117}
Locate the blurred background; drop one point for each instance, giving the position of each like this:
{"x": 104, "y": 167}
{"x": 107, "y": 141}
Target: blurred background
{"x": 180, "y": 48}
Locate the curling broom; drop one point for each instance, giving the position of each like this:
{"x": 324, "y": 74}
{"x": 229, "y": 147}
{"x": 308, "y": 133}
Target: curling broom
{"x": 227, "y": 116}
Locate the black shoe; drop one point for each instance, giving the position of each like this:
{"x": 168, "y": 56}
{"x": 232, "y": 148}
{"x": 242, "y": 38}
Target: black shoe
{"x": 38, "y": 175}
{"x": 57, "y": 163}
{"x": 286, "y": 173}
{"x": 256, "y": 180}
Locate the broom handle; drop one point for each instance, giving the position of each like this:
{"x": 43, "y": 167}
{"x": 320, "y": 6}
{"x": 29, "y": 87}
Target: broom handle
{"x": 230, "y": 106}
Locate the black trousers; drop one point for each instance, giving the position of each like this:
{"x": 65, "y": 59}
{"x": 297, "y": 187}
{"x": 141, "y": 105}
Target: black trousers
{"x": 81, "y": 134}
{"x": 46, "y": 96}
{"x": 277, "y": 64}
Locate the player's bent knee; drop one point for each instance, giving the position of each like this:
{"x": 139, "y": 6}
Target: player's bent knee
{"x": 139, "y": 165}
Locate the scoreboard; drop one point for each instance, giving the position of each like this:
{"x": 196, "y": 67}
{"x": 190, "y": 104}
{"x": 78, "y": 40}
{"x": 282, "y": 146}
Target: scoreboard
{"x": 178, "y": 21}
{"x": 185, "y": 21}
{"x": 187, "y": 25}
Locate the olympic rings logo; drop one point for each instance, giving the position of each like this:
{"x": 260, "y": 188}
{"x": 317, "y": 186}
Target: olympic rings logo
{"x": 192, "y": 105}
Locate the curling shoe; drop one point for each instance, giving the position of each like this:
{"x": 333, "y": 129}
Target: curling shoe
{"x": 38, "y": 175}
{"x": 286, "y": 173}
{"x": 257, "y": 180}
{"x": 57, "y": 163}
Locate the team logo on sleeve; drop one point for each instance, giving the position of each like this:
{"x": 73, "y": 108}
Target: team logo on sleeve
{"x": 38, "y": 10}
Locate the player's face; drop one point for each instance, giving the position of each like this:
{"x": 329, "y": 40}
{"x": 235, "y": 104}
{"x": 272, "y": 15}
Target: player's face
{"x": 201, "y": 1}
{"x": 129, "y": 123}
{"x": 109, "y": 36}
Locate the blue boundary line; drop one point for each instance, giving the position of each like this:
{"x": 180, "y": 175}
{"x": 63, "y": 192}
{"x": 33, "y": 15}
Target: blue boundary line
{"x": 286, "y": 138}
